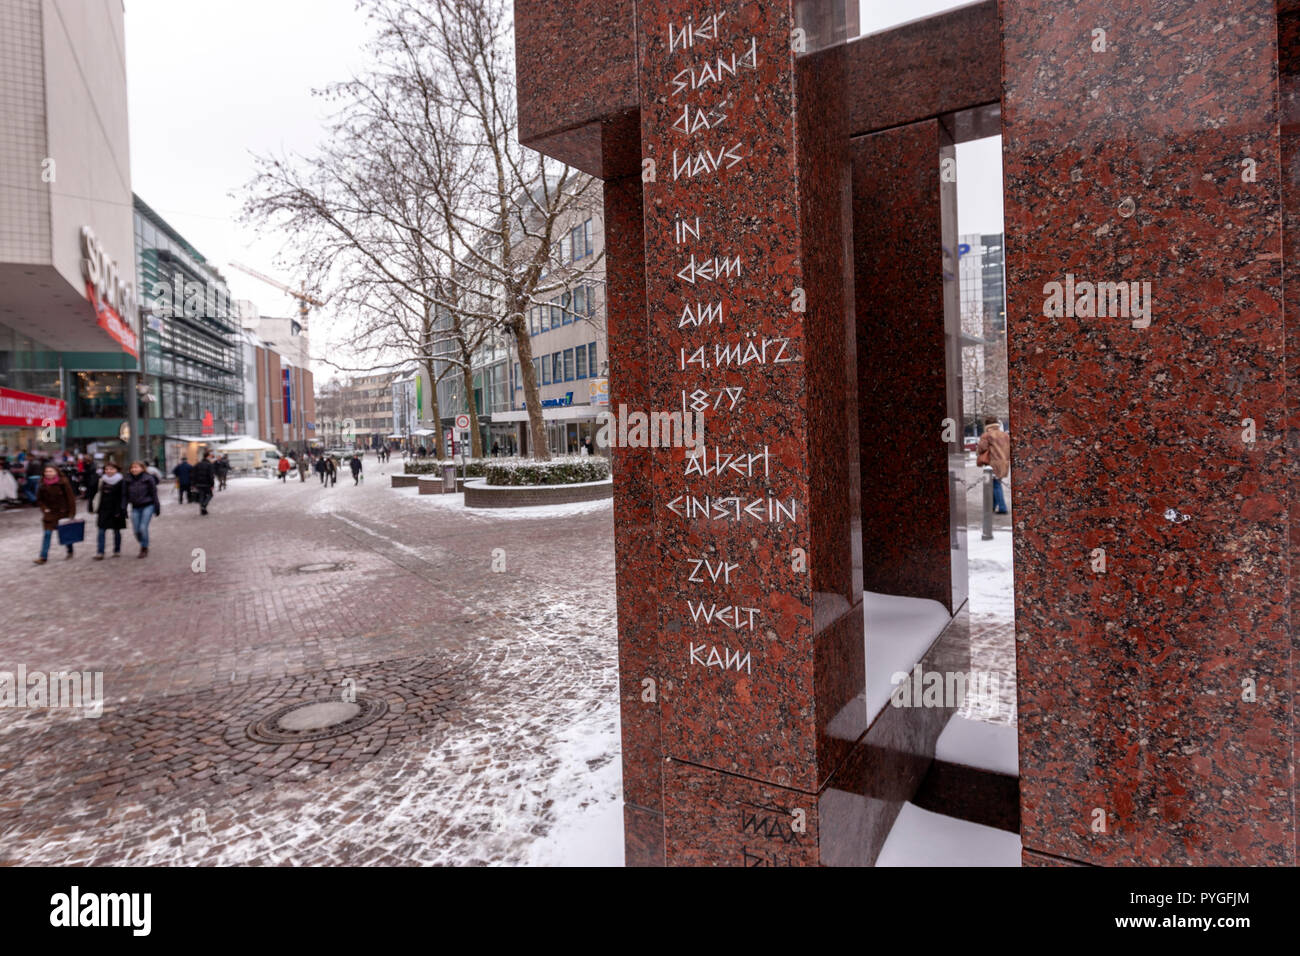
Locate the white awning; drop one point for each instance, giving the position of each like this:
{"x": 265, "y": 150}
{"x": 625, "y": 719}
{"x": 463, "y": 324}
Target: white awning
{"x": 246, "y": 443}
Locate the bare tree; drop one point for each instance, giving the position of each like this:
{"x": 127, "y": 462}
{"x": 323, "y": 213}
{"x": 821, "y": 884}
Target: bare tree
{"x": 437, "y": 227}
{"x": 453, "y": 60}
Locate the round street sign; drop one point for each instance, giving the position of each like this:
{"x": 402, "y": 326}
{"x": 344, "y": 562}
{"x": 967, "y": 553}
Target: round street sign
{"x": 462, "y": 422}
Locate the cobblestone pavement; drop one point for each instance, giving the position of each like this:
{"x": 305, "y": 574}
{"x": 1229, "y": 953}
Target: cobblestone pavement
{"x": 501, "y": 689}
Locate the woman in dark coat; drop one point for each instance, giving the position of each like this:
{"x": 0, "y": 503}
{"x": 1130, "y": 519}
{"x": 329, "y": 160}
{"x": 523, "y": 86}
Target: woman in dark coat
{"x": 110, "y": 506}
{"x": 142, "y": 495}
{"x": 57, "y": 501}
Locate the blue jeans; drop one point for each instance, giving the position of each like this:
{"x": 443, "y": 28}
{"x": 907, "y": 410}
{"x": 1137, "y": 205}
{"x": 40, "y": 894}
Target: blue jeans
{"x": 999, "y": 502}
{"x": 117, "y": 539}
{"x": 29, "y": 488}
{"x": 45, "y": 544}
{"x": 140, "y": 518}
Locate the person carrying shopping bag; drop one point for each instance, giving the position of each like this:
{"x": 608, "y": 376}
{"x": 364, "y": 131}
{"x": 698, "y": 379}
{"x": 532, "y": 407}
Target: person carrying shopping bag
{"x": 57, "y": 502}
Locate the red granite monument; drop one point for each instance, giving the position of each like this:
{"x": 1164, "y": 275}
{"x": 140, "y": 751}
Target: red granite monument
{"x": 777, "y": 214}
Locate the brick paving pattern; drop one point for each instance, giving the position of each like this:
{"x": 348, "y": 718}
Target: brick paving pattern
{"x": 501, "y": 688}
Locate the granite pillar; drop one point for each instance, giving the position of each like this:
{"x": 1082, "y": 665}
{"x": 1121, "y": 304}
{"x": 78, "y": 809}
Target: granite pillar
{"x": 1149, "y": 465}
{"x": 909, "y": 355}
{"x": 746, "y": 218}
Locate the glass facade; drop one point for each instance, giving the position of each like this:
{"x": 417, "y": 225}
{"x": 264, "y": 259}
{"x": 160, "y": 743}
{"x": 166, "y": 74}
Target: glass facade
{"x": 190, "y": 331}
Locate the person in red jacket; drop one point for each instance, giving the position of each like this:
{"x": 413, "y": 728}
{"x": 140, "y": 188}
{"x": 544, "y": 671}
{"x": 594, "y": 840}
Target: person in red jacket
{"x": 284, "y": 468}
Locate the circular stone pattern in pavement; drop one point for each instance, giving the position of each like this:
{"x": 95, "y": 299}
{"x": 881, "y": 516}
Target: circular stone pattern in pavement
{"x": 309, "y": 720}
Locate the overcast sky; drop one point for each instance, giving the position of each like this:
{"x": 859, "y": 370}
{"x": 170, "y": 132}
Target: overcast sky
{"x": 210, "y": 84}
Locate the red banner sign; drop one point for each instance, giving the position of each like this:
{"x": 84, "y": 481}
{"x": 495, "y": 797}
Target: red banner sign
{"x": 112, "y": 323}
{"x": 31, "y": 411}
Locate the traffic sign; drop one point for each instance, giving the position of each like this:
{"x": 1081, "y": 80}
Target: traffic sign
{"x": 462, "y": 422}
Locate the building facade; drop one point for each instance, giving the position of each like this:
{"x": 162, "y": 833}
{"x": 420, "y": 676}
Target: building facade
{"x": 358, "y": 411}
{"x": 191, "y": 341}
{"x": 69, "y": 333}
{"x": 984, "y": 329}
{"x": 570, "y": 357}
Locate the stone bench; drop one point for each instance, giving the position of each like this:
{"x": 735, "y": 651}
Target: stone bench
{"x": 405, "y": 481}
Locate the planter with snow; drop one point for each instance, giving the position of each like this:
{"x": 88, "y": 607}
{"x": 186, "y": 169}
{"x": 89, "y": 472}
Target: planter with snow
{"x": 479, "y": 494}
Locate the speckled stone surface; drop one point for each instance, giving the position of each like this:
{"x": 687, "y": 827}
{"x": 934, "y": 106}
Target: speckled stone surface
{"x": 731, "y": 237}
{"x": 1288, "y": 37}
{"x": 636, "y": 559}
{"x": 934, "y": 66}
{"x": 579, "y": 99}
{"x": 907, "y": 386}
{"x": 1127, "y": 165}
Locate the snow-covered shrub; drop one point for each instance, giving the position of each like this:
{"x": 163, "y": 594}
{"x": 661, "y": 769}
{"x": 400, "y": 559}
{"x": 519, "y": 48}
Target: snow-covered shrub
{"x": 570, "y": 470}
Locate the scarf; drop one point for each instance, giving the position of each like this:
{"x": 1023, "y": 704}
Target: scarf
{"x": 112, "y": 479}
{"x": 52, "y": 481}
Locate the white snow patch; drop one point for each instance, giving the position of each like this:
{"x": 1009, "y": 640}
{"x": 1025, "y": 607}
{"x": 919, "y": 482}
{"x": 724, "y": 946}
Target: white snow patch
{"x": 922, "y": 838}
{"x": 456, "y": 502}
{"x": 977, "y": 743}
{"x": 992, "y": 581}
{"x": 899, "y": 630}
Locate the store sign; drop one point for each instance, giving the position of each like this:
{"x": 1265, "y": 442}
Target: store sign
{"x": 24, "y": 410}
{"x": 112, "y": 296}
{"x": 598, "y": 391}
{"x": 208, "y": 427}
{"x": 564, "y": 402}
{"x": 288, "y": 397}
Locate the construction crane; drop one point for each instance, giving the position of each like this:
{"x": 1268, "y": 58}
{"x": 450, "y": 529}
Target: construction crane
{"x": 304, "y": 300}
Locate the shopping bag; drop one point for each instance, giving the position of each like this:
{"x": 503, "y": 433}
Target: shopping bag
{"x": 72, "y": 532}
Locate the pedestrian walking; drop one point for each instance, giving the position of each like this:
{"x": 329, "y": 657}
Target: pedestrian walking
{"x": 109, "y": 506}
{"x": 204, "y": 477}
{"x": 57, "y": 501}
{"x": 142, "y": 496}
{"x": 302, "y": 469}
{"x": 222, "y": 468}
{"x": 90, "y": 479}
{"x": 283, "y": 467}
{"x": 32, "y": 478}
{"x": 183, "y": 472}
{"x": 994, "y": 450}
{"x": 355, "y": 465}
{"x": 331, "y": 471}
{"x": 320, "y": 469}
